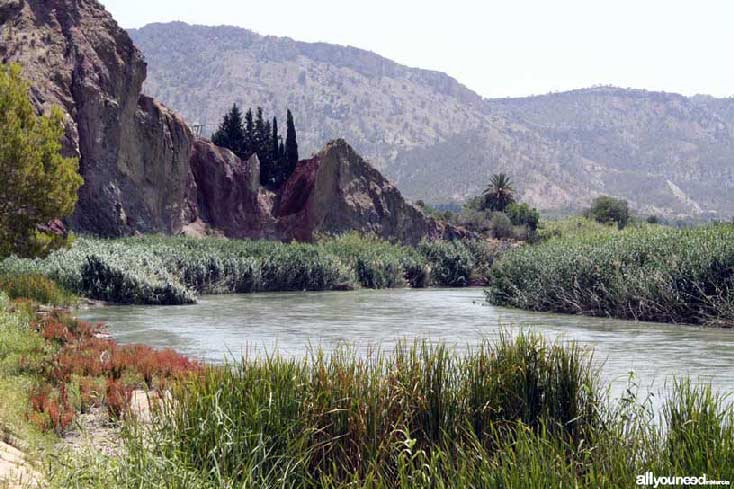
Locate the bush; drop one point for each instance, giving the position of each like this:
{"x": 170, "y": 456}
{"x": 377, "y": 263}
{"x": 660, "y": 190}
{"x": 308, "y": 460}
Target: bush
{"x": 608, "y": 210}
{"x": 450, "y": 261}
{"x": 501, "y": 226}
{"x": 105, "y": 280}
{"x": 653, "y": 274}
{"x": 523, "y": 215}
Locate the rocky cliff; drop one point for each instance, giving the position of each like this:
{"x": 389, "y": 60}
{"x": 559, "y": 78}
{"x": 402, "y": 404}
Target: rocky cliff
{"x": 144, "y": 171}
{"x": 134, "y": 153}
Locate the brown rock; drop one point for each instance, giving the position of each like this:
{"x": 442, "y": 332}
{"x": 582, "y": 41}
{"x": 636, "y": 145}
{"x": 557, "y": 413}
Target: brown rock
{"x": 134, "y": 153}
{"x": 337, "y": 191}
{"x": 229, "y": 197}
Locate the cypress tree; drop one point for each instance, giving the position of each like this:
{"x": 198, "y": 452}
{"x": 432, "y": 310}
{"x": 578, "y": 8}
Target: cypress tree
{"x": 275, "y": 141}
{"x": 249, "y": 138}
{"x": 291, "y": 146}
{"x": 230, "y": 133}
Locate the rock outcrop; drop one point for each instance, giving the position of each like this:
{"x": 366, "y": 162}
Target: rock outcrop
{"x": 229, "y": 198}
{"x": 144, "y": 171}
{"x": 337, "y": 191}
{"x": 133, "y": 152}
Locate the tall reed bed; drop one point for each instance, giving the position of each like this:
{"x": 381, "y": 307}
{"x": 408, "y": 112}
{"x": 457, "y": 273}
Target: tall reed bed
{"x": 653, "y": 274}
{"x": 518, "y": 413}
{"x": 168, "y": 270}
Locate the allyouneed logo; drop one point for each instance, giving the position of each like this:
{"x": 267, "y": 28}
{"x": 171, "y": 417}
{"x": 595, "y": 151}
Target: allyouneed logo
{"x": 649, "y": 479}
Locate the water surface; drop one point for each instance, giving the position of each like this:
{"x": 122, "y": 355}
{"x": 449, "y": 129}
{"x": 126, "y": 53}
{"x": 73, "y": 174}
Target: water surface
{"x": 219, "y": 327}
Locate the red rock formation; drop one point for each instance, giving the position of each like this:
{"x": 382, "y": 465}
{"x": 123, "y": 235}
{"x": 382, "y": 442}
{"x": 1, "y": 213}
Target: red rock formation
{"x": 337, "y": 191}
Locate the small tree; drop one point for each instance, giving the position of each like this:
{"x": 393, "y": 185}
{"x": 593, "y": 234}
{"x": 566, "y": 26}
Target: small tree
{"x": 499, "y": 193}
{"x": 231, "y": 134}
{"x": 38, "y": 183}
{"x": 608, "y": 210}
{"x": 523, "y": 215}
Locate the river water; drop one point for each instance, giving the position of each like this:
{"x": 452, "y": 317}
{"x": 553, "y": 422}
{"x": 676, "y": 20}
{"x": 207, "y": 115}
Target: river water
{"x": 220, "y": 327}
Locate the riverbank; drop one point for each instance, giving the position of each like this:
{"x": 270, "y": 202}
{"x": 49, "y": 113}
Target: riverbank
{"x": 168, "y": 271}
{"x": 648, "y": 274}
{"x": 420, "y": 415}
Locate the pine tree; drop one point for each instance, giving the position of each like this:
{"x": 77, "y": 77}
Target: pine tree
{"x": 230, "y": 133}
{"x": 39, "y": 183}
{"x": 291, "y": 146}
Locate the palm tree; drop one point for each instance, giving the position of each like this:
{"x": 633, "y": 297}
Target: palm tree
{"x": 499, "y": 194}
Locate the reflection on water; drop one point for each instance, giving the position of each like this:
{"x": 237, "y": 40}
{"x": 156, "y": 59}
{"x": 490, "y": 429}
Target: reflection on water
{"x": 221, "y": 326}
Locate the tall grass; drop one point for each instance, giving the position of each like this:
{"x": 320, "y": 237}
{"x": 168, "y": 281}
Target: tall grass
{"x": 167, "y": 270}
{"x": 518, "y": 413}
{"x": 654, "y": 274}
{"x": 37, "y": 288}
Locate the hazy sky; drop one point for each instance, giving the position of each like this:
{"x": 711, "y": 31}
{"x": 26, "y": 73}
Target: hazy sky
{"x": 499, "y": 48}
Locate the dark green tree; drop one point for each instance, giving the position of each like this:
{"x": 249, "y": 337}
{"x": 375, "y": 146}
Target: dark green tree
{"x": 523, "y": 215}
{"x": 291, "y": 145}
{"x": 499, "y": 193}
{"x": 249, "y": 134}
{"x": 608, "y": 210}
{"x": 230, "y": 133}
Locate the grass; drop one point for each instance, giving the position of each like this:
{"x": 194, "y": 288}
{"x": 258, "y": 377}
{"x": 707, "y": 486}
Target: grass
{"x": 651, "y": 274}
{"x": 169, "y": 271}
{"x": 518, "y": 413}
{"x": 37, "y": 288}
{"x": 521, "y": 412}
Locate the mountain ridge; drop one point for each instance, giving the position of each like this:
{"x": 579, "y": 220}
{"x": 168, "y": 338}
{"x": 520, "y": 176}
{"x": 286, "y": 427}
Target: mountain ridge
{"x": 439, "y": 140}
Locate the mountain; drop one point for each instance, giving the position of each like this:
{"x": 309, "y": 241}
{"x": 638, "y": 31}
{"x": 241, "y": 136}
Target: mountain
{"x": 145, "y": 171}
{"x": 439, "y": 141}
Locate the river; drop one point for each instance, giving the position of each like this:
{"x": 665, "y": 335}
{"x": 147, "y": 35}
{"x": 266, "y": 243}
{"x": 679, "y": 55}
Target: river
{"x": 220, "y": 327}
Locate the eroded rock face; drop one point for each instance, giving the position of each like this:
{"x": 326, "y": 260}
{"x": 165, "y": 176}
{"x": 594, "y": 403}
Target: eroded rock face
{"x": 337, "y": 191}
{"x": 229, "y": 197}
{"x": 134, "y": 153}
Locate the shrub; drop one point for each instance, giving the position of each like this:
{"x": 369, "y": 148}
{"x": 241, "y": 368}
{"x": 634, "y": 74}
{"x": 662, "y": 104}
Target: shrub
{"x": 608, "y": 210}
{"x": 523, "y": 215}
{"x": 501, "y": 226}
{"x": 450, "y": 261}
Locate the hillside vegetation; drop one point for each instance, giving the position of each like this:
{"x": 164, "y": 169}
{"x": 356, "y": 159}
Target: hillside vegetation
{"x": 665, "y": 153}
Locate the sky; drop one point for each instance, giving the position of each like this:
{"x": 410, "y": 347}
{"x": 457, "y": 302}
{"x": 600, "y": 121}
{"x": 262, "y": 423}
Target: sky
{"x": 506, "y": 48}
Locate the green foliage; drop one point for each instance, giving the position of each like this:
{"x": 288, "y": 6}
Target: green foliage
{"x": 255, "y": 135}
{"x": 608, "y": 210}
{"x": 291, "y": 144}
{"x": 36, "y": 288}
{"x": 230, "y": 133}
{"x": 451, "y": 262}
{"x": 572, "y": 227}
{"x": 39, "y": 184}
{"x": 499, "y": 194}
{"x": 523, "y": 215}
{"x": 166, "y": 270}
{"x": 518, "y": 413}
{"x": 649, "y": 273}
{"x": 501, "y": 225}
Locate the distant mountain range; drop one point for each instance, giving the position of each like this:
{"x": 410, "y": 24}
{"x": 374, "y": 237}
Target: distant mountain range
{"x": 439, "y": 141}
